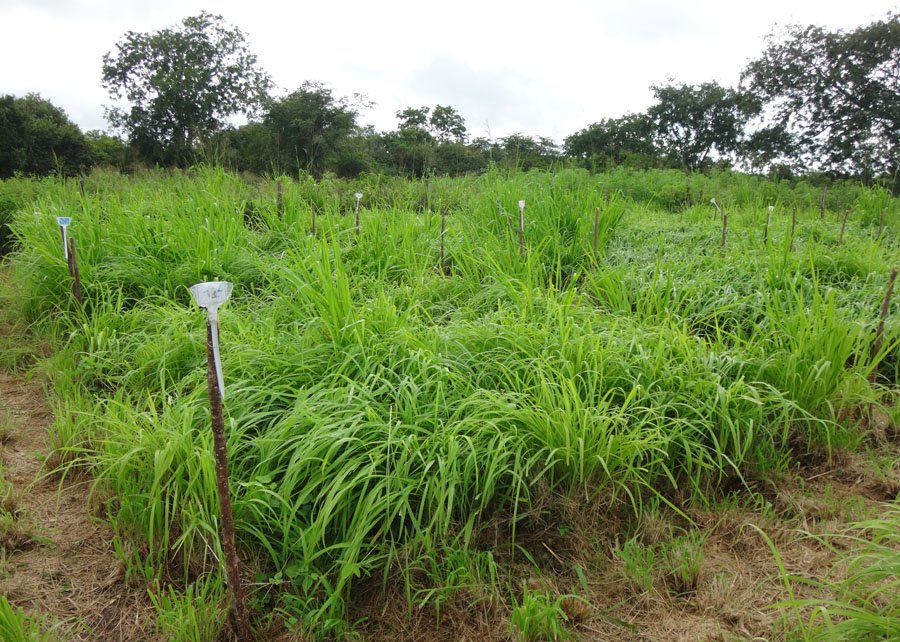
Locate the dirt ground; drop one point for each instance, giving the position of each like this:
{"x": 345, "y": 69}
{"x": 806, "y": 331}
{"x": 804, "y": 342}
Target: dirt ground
{"x": 58, "y": 560}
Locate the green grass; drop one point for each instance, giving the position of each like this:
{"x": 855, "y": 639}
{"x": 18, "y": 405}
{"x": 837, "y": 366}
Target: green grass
{"x": 383, "y": 410}
{"x": 17, "y": 626}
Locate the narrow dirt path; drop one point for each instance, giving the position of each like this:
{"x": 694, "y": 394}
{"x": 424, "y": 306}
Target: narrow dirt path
{"x": 64, "y": 568}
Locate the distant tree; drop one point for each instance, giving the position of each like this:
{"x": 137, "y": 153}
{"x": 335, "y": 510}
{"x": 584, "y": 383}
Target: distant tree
{"x": 310, "y": 127}
{"x": 414, "y": 118}
{"x": 182, "y": 83}
{"x": 690, "y": 122}
{"x": 430, "y": 140}
{"x": 614, "y": 141}
{"x": 447, "y": 125}
{"x": 837, "y": 95}
{"x": 37, "y": 138}
{"x": 411, "y": 146}
{"x": 526, "y": 152}
{"x": 410, "y": 150}
{"x": 455, "y": 159}
{"x": 109, "y": 151}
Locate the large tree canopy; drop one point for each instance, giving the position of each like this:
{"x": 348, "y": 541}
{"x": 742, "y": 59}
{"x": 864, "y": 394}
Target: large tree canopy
{"x": 309, "y": 127}
{"x": 182, "y": 84}
{"x": 837, "y": 94}
{"x": 37, "y": 138}
{"x": 692, "y": 121}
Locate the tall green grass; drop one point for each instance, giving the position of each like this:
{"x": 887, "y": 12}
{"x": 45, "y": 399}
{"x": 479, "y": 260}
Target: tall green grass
{"x": 383, "y": 409}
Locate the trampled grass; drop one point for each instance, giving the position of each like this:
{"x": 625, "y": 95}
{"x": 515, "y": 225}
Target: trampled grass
{"x": 383, "y": 410}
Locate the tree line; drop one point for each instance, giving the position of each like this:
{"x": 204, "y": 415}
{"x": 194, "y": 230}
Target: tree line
{"x": 813, "y": 101}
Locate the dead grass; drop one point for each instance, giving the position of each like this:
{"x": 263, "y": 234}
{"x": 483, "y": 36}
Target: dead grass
{"x": 59, "y": 563}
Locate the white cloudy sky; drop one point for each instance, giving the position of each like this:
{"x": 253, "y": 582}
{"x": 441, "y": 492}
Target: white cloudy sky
{"x": 541, "y": 68}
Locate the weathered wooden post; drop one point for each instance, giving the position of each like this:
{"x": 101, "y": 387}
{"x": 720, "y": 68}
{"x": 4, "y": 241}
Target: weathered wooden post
{"x": 72, "y": 260}
{"x": 793, "y": 227}
{"x": 879, "y": 331}
{"x": 358, "y": 196}
{"x": 724, "y": 228}
{"x": 211, "y": 295}
{"x": 443, "y": 230}
{"x": 844, "y": 225}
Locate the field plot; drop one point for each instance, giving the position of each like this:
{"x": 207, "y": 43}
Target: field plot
{"x": 603, "y": 414}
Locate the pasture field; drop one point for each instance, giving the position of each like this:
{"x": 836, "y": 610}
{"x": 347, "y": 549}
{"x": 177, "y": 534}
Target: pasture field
{"x": 572, "y": 433}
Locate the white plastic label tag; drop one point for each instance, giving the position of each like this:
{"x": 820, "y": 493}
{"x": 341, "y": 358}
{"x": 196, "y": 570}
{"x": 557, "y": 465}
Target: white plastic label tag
{"x": 211, "y": 295}
{"x": 64, "y": 222}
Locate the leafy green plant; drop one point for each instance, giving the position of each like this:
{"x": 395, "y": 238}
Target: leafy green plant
{"x": 639, "y": 560}
{"x": 17, "y": 626}
{"x": 683, "y": 562}
{"x": 539, "y": 615}
{"x": 194, "y": 615}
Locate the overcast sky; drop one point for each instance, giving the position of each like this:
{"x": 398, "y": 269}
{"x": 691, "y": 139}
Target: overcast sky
{"x": 541, "y": 68}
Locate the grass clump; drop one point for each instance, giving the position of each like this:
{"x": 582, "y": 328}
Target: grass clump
{"x": 17, "y": 626}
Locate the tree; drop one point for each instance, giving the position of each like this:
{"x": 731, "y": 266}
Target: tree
{"x": 108, "y": 151}
{"x": 413, "y": 118}
{"x": 614, "y": 141}
{"x": 310, "y": 127}
{"x": 692, "y": 121}
{"x": 835, "y": 93}
{"x": 447, "y": 125}
{"x": 526, "y": 152}
{"x": 37, "y": 138}
{"x": 411, "y": 146}
{"x": 183, "y": 83}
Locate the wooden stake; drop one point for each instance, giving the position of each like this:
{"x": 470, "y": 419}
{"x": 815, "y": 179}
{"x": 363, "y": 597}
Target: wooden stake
{"x": 879, "y": 331}
{"x": 822, "y": 205}
{"x": 724, "y": 228}
{"x": 793, "y": 227}
{"x": 443, "y": 229}
{"x": 279, "y": 198}
{"x": 427, "y": 195}
{"x": 843, "y": 225}
{"x": 766, "y": 232}
{"x": 81, "y": 186}
{"x": 73, "y": 271}
{"x": 596, "y": 229}
{"x": 232, "y": 565}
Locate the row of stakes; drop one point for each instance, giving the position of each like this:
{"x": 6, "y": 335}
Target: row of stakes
{"x": 211, "y": 295}
{"x": 723, "y": 214}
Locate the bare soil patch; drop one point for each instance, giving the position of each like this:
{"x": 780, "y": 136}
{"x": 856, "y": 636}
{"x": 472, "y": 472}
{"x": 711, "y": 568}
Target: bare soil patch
{"x": 62, "y": 564}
